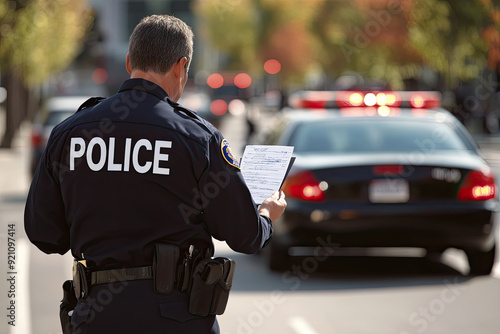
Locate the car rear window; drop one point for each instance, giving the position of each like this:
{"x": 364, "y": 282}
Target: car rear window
{"x": 375, "y": 136}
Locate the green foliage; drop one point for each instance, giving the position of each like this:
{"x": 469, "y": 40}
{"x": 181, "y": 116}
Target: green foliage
{"x": 251, "y": 31}
{"x": 42, "y": 37}
{"x": 231, "y": 28}
{"x": 447, "y": 36}
{"x": 383, "y": 39}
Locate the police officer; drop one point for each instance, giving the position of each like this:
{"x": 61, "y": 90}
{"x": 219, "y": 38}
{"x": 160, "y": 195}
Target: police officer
{"x": 136, "y": 169}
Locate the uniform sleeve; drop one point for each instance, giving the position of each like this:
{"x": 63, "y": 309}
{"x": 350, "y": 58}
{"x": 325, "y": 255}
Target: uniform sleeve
{"x": 230, "y": 213}
{"x": 44, "y": 215}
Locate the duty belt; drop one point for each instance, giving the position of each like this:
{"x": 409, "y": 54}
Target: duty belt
{"x": 206, "y": 280}
{"x": 120, "y": 275}
{"x": 167, "y": 271}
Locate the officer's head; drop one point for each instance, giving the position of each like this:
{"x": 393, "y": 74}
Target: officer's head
{"x": 158, "y": 42}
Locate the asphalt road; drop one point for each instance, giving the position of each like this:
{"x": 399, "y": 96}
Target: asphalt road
{"x": 395, "y": 295}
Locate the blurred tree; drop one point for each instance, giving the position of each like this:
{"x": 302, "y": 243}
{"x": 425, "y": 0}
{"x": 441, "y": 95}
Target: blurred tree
{"x": 232, "y": 28}
{"x": 387, "y": 56}
{"x": 367, "y": 37}
{"x": 336, "y": 24}
{"x": 390, "y": 40}
{"x": 446, "y": 34}
{"x": 252, "y": 31}
{"x": 38, "y": 38}
{"x": 288, "y": 36}
{"x": 491, "y": 34}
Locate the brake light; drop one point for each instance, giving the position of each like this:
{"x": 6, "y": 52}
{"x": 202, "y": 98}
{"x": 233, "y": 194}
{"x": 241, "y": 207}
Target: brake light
{"x": 388, "y": 170}
{"x": 477, "y": 186}
{"x": 304, "y": 186}
{"x": 36, "y": 139}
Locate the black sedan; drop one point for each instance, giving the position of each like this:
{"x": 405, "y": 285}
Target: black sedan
{"x": 379, "y": 177}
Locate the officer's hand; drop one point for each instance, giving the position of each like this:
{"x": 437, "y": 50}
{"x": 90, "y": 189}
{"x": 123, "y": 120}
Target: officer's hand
{"x": 273, "y": 206}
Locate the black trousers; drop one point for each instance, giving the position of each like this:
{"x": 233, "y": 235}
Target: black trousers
{"x": 133, "y": 307}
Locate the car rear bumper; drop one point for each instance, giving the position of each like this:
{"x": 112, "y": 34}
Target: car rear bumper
{"x": 460, "y": 226}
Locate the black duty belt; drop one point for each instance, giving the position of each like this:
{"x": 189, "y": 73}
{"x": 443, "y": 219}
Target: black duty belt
{"x": 169, "y": 271}
{"x": 120, "y": 275}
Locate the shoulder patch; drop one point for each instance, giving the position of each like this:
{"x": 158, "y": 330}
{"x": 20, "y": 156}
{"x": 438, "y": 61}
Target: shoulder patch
{"x": 228, "y": 154}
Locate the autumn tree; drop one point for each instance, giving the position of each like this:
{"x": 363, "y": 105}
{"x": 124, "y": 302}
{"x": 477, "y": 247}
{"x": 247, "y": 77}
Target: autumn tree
{"x": 390, "y": 40}
{"x": 375, "y": 42}
{"x": 491, "y": 35}
{"x": 252, "y": 31}
{"x": 335, "y": 25}
{"x": 38, "y": 38}
{"x": 447, "y": 35}
{"x": 393, "y": 40}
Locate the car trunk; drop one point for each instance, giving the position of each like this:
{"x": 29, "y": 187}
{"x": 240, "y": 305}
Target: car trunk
{"x": 393, "y": 178}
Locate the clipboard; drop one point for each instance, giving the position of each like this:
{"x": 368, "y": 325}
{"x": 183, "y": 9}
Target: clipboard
{"x": 264, "y": 169}
{"x": 292, "y": 160}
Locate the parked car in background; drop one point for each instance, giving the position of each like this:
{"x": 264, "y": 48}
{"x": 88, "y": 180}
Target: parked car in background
{"x": 378, "y": 170}
{"x": 54, "y": 111}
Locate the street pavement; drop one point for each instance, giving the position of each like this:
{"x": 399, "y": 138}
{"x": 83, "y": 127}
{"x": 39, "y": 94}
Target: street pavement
{"x": 35, "y": 295}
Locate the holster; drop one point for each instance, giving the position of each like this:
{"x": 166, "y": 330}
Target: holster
{"x": 68, "y": 304}
{"x": 211, "y": 284}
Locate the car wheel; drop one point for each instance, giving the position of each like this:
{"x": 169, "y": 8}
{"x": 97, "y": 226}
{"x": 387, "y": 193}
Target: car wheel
{"x": 279, "y": 260}
{"x": 481, "y": 263}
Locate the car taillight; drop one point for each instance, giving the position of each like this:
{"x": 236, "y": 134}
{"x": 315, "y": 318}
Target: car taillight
{"x": 36, "y": 139}
{"x": 388, "y": 170}
{"x": 477, "y": 186}
{"x": 304, "y": 186}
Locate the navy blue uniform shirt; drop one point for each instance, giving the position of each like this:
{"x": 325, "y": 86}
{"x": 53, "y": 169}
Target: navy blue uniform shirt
{"x": 133, "y": 170}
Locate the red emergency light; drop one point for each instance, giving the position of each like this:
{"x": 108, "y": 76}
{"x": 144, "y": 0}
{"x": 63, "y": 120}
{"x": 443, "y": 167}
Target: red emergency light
{"x": 360, "y": 99}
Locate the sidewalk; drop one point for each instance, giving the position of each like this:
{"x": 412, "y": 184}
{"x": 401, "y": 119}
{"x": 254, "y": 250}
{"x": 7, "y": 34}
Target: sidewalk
{"x": 14, "y": 173}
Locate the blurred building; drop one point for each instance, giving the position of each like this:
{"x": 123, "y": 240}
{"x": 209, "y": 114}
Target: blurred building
{"x": 115, "y": 21}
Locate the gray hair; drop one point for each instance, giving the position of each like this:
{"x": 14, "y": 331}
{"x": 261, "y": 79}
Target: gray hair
{"x": 158, "y": 42}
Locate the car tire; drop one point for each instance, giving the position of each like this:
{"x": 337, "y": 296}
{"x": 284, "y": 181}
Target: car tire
{"x": 279, "y": 260}
{"x": 481, "y": 263}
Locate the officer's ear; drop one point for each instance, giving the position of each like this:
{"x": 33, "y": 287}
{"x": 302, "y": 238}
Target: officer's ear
{"x": 127, "y": 64}
{"x": 181, "y": 66}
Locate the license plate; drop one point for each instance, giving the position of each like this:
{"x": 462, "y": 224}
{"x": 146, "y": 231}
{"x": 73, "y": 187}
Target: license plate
{"x": 389, "y": 191}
